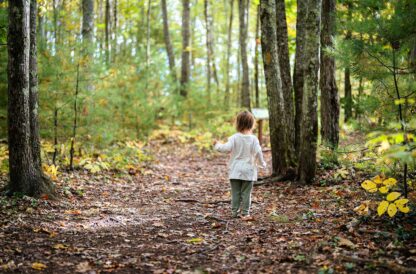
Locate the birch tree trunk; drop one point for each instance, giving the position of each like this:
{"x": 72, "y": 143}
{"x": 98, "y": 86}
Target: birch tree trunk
{"x": 168, "y": 42}
{"x": 309, "y": 121}
{"x": 274, "y": 86}
{"x": 328, "y": 85}
{"x": 186, "y": 66}
{"x": 245, "y": 88}
{"x": 87, "y": 21}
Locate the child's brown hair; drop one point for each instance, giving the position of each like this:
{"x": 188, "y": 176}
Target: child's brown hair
{"x": 245, "y": 121}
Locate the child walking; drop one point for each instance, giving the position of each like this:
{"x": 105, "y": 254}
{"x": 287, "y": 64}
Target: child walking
{"x": 245, "y": 154}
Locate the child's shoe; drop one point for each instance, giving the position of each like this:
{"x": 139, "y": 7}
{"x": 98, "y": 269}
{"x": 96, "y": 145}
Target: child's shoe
{"x": 247, "y": 218}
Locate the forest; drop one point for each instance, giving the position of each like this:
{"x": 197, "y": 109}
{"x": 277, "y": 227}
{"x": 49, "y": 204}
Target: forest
{"x": 111, "y": 112}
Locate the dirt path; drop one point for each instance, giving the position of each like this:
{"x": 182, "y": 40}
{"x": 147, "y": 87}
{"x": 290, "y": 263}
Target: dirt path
{"x": 174, "y": 217}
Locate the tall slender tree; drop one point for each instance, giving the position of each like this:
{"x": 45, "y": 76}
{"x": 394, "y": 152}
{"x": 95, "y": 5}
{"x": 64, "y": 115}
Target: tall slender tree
{"x": 298, "y": 72}
{"x": 256, "y": 60}
{"x": 274, "y": 86}
{"x": 284, "y": 62}
{"x": 227, "y": 64}
{"x": 309, "y": 129}
{"x": 33, "y": 89}
{"x": 347, "y": 74}
{"x": 208, "y": 48}
{"x": 328, "y": 85}
{"x": 168, "y": 42}
{"x": 87, "y": 21}
{"x": 186, "y": 66}
{"x": 107, "y": 31}
{"x": 243, "y": 9}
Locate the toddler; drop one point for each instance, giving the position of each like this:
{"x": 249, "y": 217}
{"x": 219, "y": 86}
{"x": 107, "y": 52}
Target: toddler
{"x": 245, "y": 153}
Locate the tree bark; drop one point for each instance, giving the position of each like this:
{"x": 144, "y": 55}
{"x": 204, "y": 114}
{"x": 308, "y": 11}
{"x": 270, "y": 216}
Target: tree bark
{"x": 227, "y": 65}
{"x": 284, "y": 62}
{"x": 328, "y": 85}
{"x": 347, "y": 77}
{"x": 274, "y": 86}
{"x": 33, "y": 90}
{"x": 25, "y": 175}
{"x": 245, "y": 88}
{"x": 168, "y": 42}
{"x": 107, "y": 31}
{"x": 115, "y": 24}
{"x": 298, "y": 72}
{"x": 309, "y": 121}
{"x": 186, "y": 66}
{"x": 256, "y": 60}
{"x": 87, "y": 20}
{"x": 209, "y": 53}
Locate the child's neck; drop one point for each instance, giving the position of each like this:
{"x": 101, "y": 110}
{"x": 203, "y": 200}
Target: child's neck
{"x": 246, "y": 132}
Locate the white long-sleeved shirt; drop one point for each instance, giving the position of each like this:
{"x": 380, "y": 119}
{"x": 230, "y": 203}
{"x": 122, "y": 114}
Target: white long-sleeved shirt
{"x": 245, "y": 153}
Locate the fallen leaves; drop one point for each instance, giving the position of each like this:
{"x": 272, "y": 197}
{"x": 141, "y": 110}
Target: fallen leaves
{"x": 38, "y": 266}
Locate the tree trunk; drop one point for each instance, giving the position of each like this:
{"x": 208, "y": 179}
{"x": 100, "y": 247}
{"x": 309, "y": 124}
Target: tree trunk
{"x": 245, "y": 88}
{"x": 309, "y": 121}
{"x": 168, "y": 42}
{"x": 107, "y": 31}
{"x": 87, "y": 21}
{"x": 25, "y": 174}
{"x": 347, "y": 77}
{"x": 298, "y": 72}
{"x": 227, "y": 64}
{"x": 284, "y": 62}
{"x": 33, "y": 89}
{"x": 328, "y": 85}
{"x": 115, "y": 24}
{"x": 148, "y": 42}
{"x": 347, "y": 95}
{"x": 274, "y": 86}
{"x": 256, "y": 59}
{"x": 209, "y": 53}
{"x": 185, "y": 73}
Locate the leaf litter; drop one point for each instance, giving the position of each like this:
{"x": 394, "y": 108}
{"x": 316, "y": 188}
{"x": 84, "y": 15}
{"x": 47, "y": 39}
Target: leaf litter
{"x": 174, "y": 217}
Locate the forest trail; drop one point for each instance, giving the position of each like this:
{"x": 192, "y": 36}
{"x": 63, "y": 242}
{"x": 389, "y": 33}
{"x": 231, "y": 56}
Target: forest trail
{"x": 174, "y": 216}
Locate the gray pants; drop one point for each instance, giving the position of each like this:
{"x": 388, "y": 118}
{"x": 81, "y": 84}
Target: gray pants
{"x": 240, "y": 194}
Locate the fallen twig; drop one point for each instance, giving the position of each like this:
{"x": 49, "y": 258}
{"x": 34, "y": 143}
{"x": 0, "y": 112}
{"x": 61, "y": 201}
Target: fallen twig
{"x": 204, "y": 202}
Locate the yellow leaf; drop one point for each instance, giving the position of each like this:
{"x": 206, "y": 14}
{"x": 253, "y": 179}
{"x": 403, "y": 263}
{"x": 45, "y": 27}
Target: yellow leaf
{"x": 377, "y": 180}
{"x": 392, "y": 210}
{"x": 401, "y": 202}
{"x": 401, "y": 205}
{"x": 405, "y": 209}
{"x": 390, "y": 182}
{"x": 383, "y": 189}
{"x": 393, "y": 196}
{"x": 195, "y": 240}
{"x": 382, "y": 207}
{"x": 39, "y": 266}
{"x": 370, "y": 186}
{"x": 59, "y": 246}
{"x": 362, "y": 209}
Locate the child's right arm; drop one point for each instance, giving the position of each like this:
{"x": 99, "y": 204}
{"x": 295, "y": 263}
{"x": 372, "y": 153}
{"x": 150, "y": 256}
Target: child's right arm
{"x": 259, "y": 155}
{"x": 227, "y": 147}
